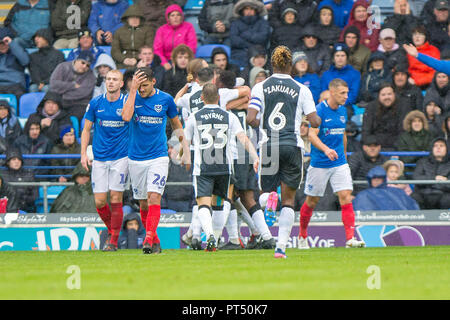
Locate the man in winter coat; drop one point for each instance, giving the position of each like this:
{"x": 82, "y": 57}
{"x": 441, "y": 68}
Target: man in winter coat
{"x": 438, "y": 27}
{"x": 129, "y": 38}
{"x": 68, "y": 145}
{"x": 288, "y": 32}
{"x": 7, "y": 191}
{"x": 327, "y": 30}
{"x": 341, "y": 10}
{"x": 381, "y": 197}
{"x": 25, "y": 18}
{"x": 248, "y": 29}
{"x": 404, "y": 89}
{"x": 440, "y": 90}
{"x": 215, "y": 19}
{"x": 153, "y": 11}
{"x": 85, "y": 43}
{"x": 395, "y": 55}
{"x": 434, "y": 167}
{"x": 377, "y": 73}
{"x": 305, "y": 9}
{"x": 359, "y": 54}
{"x": 10, "y": 128}
{"x": 402, "y": 21}
{"x": 257, "y": 57}
{"x": 220, "y": 58}
{"x": 44, "y": 61}
{"x": 105, "y": 19}
{"x": 78, "y": 198}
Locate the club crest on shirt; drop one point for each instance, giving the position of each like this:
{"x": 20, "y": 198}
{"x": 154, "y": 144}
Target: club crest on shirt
{"x": 119, "y": 112}
{"x": 342, "y": 119}
{"x": 158, "y": 107}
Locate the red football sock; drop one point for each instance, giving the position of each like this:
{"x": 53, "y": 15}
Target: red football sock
{"x": 105, "y": 215}
{"x": 116, "y": 221}
{"x": 144, "y": 214}
{"x": 305, "y": 215}
{"x": 154, "y": 214}
{"x": 348, "y": 218}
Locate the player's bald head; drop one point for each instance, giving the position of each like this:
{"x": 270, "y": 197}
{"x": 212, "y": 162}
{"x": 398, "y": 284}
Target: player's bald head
{"x": 210, "y": 94}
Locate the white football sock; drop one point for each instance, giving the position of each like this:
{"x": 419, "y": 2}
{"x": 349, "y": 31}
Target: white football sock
{"x": 196, "y": 224}
{"x": 261, "y": 225}
{"x": 204, "y": 215}
{"x": 232, "y": 227}
{"x": 285, "y": 223}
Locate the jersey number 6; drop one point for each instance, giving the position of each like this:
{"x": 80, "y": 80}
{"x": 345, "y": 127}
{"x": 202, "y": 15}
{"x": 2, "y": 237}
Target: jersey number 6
{"x": 276, "y": 114}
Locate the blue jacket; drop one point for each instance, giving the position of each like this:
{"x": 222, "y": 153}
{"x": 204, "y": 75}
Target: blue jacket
{"x": 341, "y": 12}
{"x": 128, "y": 239}
{"x": 106, "y": 16}
{"x": 383, "y": 197}
{"x": 25, "y": 20}
{"x": 12, "y": 65}
{"x": 312, "y": 81}
{"x": 349, "y": 75}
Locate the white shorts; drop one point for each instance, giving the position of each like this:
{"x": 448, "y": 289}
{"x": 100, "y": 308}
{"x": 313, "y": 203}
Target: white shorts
{"x": 317, "y": 178}
{"x": 110, "y": 175}
{"x": 148, "y": 176}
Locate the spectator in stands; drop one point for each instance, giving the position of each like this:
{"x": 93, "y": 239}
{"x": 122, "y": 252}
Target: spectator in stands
{"x": 13, "y": 60}
{"x": 175, "y": 78}
{"x": 362, "y": 161}
{"x": 359, "y": 54}
{"x": 318, "y": 53}
{"x": 32, "y": 141}
{"x": 433, "y": 113}
{"x": 10, "y": 128}
{"x": 377, "y": 73}
{"x": 384, "y": 117}
{"x": 85, "y": 43}
{"x": 439, "y": 90}
{"x": 445, "y": 127}
{"x": 288, "y": 32}
{"x": 303, "y": 73}
{"x": 105, "y": 19}
{"x": 327, "y": 30}
{"x": 75, "y": 82}
{"x": 352, "y": 131}
{"x": 421, "y": 74}
{"x": 66, "y": 21}
{"x": 129, "y": 38}
{"x": 304, "y": 131}
{"x": 51, "y": 117}
{"x": 44, "y": 61}
{"x": 103, "y": 65}
{"x": 215, "y": 19}
{"x": 416, "y": 136}
{"x": 402, "y": 21}
{"x": 257, "y": 75}
{"x": 394, "y": 171}
{"x": 154, "y": 11}
{"x": 395, "y": 55}
{"x": 248, "y": 29}
{"x": 341, "y": 69}
{"x": 404, "y": 89}
{"x": 132, "y": 234}
{"x": 7, "y": 191}
{"x": 427, "y": 13}
{"x": 434, "y": 167}
{"x": 257, "y": 57}
{"x": 148, "y": 59}
{"x": 175, "y": 32}
{"x": 369, "y": 30}
{"x": 305, "y": 11}
{"x": 439, "y": 65}
{"x": 438, "y": 27}
{"x": 25, "y": 18}
{"x": 68, "y": 145}
{"x": 379, "y": 196}
{"x": 341, "y": 10}
{"x": 26, "y": 196}
{"x": 78, "y": 198}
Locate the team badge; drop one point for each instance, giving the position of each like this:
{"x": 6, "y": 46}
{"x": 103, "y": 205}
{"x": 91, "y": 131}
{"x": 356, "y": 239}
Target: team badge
{"x": 158, "y": 107}
{"x": 342, "y": 119}
{"x": 119, "y": 112}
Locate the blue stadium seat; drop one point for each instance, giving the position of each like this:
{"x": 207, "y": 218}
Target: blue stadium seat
{"x": 193, "y": 5}
{"x": 12, "y": 100}
{"x": 52, "y": 194}
{"x": 76, "y": 126}
{"x": 107, "y": 49}
{"x": 205, "y": 51}
{"x": 29, "y": 102}
{"x": 22, "y": 122}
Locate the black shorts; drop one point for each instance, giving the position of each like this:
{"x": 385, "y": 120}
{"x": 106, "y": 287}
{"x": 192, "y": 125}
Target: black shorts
{"x": 285, "y": 167}
{"x": 244, "y": 177}
{"x": 206, "y": 186}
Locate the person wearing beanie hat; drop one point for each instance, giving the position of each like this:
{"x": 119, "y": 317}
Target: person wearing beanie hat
{"x": 358, "y": 53}
{"x": 85, "y": 44}
{"x": 288, "y": 32}
{"x": 303, "y": 73}
{"x": 404, "y": 89}
{"x": 305, "y": 11}
{"x": 44, "y": 61}
{"x": 68, "y": 145}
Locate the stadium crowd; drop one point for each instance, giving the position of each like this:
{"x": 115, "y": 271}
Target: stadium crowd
{"x": 396, "y": 102}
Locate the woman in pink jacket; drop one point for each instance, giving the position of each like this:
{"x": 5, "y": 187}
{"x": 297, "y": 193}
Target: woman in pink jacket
{"x": 176, "y": 31}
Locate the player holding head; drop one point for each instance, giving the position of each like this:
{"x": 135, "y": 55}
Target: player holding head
{"x": 277, "y": 106}
{"x": 329, "y": 163}
{"x": 147, "y": 109}
{"x": 211, "y": 129}
{"x": 110, "y": 148}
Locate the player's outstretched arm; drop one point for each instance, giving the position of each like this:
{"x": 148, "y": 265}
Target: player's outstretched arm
{"x": 85, "y": 137}
{"x": 128, "y": 108}
{"x": 245, "y": 141}
{"x": 316, "y": 142}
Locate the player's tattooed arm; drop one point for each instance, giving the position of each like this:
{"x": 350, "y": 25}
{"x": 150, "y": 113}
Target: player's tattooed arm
{"x": 128, "y": 109}
{"x": 316, "y": 142}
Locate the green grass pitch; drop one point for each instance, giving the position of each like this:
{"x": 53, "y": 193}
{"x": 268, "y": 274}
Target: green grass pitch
{"x": 324, "y": 273}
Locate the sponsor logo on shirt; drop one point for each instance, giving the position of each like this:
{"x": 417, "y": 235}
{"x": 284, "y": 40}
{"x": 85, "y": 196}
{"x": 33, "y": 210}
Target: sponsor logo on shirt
{"x": 148, "y": 120}
{"x": 111, "y": 123}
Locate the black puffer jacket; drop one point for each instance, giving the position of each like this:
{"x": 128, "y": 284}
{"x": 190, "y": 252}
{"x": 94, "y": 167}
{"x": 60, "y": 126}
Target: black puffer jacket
{"x": 403, "y": 24}
{"x": 305, "y": 9}
{"x": 286, "y": 34}
{"x": 10, "y": 128}
{"x": 8, "y": 191}
{"x": 360, "y": 164}
{"x": 411, "y": 93}
{"x": 440, "y": 95}
{"x": 328, "y": 33}
{"x": 319, "y": 57}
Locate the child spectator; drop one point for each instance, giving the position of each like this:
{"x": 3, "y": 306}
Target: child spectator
{"x": 394, "y": 171}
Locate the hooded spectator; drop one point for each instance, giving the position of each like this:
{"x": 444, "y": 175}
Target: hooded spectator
{"x": 327, "y": 30}
{"x": 305, "y": 11}
{"x": 44, "y": 61}
{"x": 288, "y": 32}
{"x": 341, "y": 10}
{"x": 26, "y": 196}
{"x": 220, "y": 58}
{"x": 402, "y": 21}
{"x": 130, "y": 37}
{"x": 303, "y": 73}
{"x": 379, "y": 196}
{"x": 438, "y": 27}
{"x": 439, "y": 90}
{"x": 248, "y": 29}
{"x": 394, "y": 54}
{"x": 63, "y": 24}
{"x": 175, "y": 32}
{"x": 352, "y": 131}
{"x": 384, "y": 117}
{"x": 132, "y": 234}
{"x": 359, "y": 17}
{"x": 434, "y": 114}
{"x": 359, "y": 54}
{"x": 377, "y": 73}
{"x": 68, "y": 145}
{"x": 215, "y": 20}
{"x": 105, "y": 19}
{"x": 85, "y": 43}
{"x": 404, "y": 89}
{"x": 394, "y": 171}
{"x": 257, "y": 75}
{"x": 176, "y": 78}
{"x": 7, "y": 191}
{"x": 25, "y": 18}
{"x": 103, "y": 65}
{"x": 434, "y": 167}
{"x": 10, "y": 128}
{"x": 257, "y": 57}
